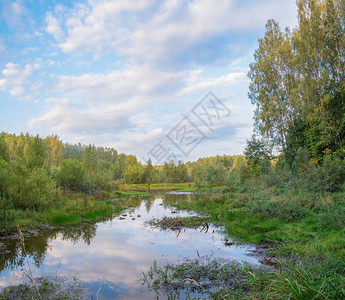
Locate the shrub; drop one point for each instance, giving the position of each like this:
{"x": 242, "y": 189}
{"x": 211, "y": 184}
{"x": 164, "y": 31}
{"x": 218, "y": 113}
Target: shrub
{"x": 231, "y": 181}
{"x": 332, "y": 219}
{"x": 31, "y": 189}
{"x": 71, "y": 175}
{"x": 288, "y": 211}
{"x": 329, "y": 177}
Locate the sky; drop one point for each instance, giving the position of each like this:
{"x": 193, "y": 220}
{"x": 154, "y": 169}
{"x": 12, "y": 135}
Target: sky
{"x": 155, "y": 78}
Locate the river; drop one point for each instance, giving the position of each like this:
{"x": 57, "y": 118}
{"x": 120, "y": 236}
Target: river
{"x": 109, "y": 256}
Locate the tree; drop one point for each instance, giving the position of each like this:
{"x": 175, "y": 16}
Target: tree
{"x": 134, "y": 173}
{"x": 54, "y": 151}
{"x": 256, "y": 152}
{"x": 90, "y": 160}
{"x": 181, "y": 172}
{"x": 34, "y": 153}
{"x": 4, "y": 151}
{"x": 149, "y": 172}
{"x": 215, "y": 175}
{"x": 298, "y": 78}
{"x": 71, "y": 175}
{"x": 273, "y": 84}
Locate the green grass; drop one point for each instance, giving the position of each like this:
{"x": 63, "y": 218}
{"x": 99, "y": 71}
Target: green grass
{"x": 76, "y": 209}
{"x": 230, "y": 280}
{"x": 306, "y": 226}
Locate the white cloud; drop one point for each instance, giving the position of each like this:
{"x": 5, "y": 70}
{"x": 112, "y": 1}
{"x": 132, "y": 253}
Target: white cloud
{"x": 13, "y": 77}
{"x": 66, "y": 117}
{"x": 53, "y": 26}
{"x": 94, "y": 26}
{"x": 134, "y": 80}
{"x": 149, "y": 42}
{"x": 214, "y": 83}
{"x": 166, "y": 32}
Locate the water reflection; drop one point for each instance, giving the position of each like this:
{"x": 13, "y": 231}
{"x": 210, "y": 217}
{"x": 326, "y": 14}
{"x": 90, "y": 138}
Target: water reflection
{"x": 116, "y": 250}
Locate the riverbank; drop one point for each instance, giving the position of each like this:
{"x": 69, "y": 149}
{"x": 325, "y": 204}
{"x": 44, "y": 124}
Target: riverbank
{"x": 305, "y": 231}
{"x": 75, "y": 207}
{"x": 72, "y": 208}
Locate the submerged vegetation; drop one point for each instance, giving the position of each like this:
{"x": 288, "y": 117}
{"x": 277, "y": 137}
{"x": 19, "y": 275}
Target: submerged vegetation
{"x": 200, "y": 277}
{"x": 168, "y": 223}
{"x": 219, "y": 279}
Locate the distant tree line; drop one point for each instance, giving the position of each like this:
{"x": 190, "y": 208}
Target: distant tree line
{"x": 34, "y": 171}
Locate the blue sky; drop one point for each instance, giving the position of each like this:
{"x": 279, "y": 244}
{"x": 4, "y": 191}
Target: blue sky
{"x": 123, "y": 73}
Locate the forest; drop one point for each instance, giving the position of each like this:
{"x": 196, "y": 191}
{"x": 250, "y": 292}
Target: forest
{"x": 35, "y": 171}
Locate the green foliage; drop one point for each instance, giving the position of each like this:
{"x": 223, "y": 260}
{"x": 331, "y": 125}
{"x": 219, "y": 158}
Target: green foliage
{"x": 34, "y": 153}
{"x": 5, "y": 171}
{"x": 6, "y": 214}
{"x": 4, "y": 151}
{"x": 149, "y": 173}
{"x": 273, "y": 84}
{"x": 287, "y": 211}
{"x": 330, "y": 176}
{"x": 31, "y": 189}
{"x": 71, "y": 175}
{"x": 297, "y": 81}
{"x": 244, "y": 172}
{"x": 97, "y": 182}
{"x": 215, "y": 176}
{"x": 331, "y": 218}
{"x": 232, "y": 180}
{"x": 134, "y": 172}
{"x": 90, "y": 160}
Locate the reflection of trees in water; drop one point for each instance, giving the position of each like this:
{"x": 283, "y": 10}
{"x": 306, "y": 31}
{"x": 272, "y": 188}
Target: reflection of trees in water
{"x": 136, "y": 201}
{"x": 37, "y": 246}
{"x": 148, "y": 203}
{"x": 167, "y": 199}
{"x": 83, "y": 232}
{"x": 148, "y": 200}
{"x": 170, "y": 199}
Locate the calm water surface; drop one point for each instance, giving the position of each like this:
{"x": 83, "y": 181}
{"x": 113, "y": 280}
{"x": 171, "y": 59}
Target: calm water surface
{"x": 117, "y": 250}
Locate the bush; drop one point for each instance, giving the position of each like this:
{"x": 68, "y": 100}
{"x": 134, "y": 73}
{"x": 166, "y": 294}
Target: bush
{"x": 218, "y": 198}
{"x": 231, "y": 181}
{"x": 215, "y": 175}
{"x": 31, "y": 190}
{"x": 332, "y": 219}
{"x": 98, "y": 182}
{"x": 71, "y": 175}
{"x": 329, "y": 177}
{"x": 288, "y": 211}
{"x": 244, "y": 172}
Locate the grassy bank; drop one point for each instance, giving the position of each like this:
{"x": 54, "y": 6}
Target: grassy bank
{"x": 76, "y": 207}
{"x": 306, "y": 231}
{"x": 73, "y": 209}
